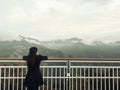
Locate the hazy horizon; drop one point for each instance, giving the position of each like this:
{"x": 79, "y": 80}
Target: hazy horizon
{"x": 59, "y": 19}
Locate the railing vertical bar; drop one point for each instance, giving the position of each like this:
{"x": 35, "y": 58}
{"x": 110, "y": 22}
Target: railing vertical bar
{"x": 43, "y": 78}
{"x": 113, "y": 78}
{"x": 64, "y": 78}
{"x": 51, "y": 78}
{"x": 76, "y": 79}
{"x": 109, "y": 78}
{"x": 105, "y": 78}
{"x": 88, "y": 79}
{"x": 13, "y": 78}
{"x": 117, "y": 79}
{"x": 22, "y": 70}
{"x": 66, "y": 87}
{"x": 9, "y": 78}
{"x": 4, "y": 79}
{"x": 69, "y": 80}
{"x": 84, "y": 80}
{"x": 69, "y": 76}
{"x": 55, "y": 79}
{"x": 21, "y": 75}
{"x": 93, "y": 79}
{"x": 72, "y": 78}
{"x": 26, "y": 72}
{"x": 101, "y": 79}
{"x": 0, "y": 78}
{"x": 80, "y": 80}
{"x": 6, "y": 86}
{"x": 47, "y": 69}
{"x": 60, "y": 79}
{"x": 17, "y": 78}
{"x": 97, "y": 78}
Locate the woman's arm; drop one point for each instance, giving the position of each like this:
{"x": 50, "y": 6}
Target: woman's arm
{"x": 24, "y": 57}
{"x": 44, "y": 57}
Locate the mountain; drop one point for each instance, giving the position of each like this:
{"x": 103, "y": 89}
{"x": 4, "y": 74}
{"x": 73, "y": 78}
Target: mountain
{"x": 99, "y": 50}
{"x": 67, "y": 48}
{"x": 55, "y": 44}
{"x": 15, "y": 48}
{"x": 76, "y": 48}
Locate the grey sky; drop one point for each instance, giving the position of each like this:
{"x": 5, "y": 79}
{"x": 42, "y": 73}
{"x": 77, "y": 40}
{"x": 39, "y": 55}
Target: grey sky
{"x": 51, "y": 19}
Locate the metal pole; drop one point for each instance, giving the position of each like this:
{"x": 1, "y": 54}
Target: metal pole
{"x": 0, "y": 79}
{"x": 68, "y": 75}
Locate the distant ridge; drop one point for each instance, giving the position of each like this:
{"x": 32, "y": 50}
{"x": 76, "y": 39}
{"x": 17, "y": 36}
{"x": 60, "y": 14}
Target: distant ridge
{"x": 16, "y": 49}
{"x": 67, "y": 48}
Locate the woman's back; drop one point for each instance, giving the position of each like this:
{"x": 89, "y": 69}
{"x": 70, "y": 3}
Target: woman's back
{"x": 33, "y": 66}
{"x": 34, "y": 77}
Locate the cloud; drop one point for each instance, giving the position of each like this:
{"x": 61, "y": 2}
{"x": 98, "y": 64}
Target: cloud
{"x": 50, "y": 19}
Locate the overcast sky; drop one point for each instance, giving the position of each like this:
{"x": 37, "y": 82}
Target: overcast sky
{"x": 59, "y": 19}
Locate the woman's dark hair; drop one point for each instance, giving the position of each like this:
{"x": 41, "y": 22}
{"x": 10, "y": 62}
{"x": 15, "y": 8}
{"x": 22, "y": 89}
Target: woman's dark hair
{"x": 32, "y": 54}
{"x": 33, "y": 51}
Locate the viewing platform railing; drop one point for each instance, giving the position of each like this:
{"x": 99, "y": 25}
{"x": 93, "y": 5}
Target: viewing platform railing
{"x": 64, "y": 74}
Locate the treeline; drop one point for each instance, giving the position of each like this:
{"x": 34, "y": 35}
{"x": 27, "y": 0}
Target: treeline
{"x": 91, "y": 51}
{"x": 16, "y": 49}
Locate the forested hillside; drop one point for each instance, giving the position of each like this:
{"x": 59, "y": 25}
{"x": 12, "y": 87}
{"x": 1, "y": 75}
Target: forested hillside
{"x": 68, "y": 48}
{"x": 16, "y": 49}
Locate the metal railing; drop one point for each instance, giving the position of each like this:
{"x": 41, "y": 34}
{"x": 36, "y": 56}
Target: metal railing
{"x": 64, "y": 74}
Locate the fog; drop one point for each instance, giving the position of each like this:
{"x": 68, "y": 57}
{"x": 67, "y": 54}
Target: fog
{"x": 59, "y": 19}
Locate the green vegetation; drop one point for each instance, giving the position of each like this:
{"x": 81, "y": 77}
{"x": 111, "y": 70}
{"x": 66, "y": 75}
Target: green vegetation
{"x": 91, "y": 51}
{"x": 69, "y": 48}
{"x": 16, "y": 49}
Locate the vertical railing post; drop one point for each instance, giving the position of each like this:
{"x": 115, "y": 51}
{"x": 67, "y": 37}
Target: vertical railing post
{"x": 68, "y": 75}
{"x": 0, "y": 79}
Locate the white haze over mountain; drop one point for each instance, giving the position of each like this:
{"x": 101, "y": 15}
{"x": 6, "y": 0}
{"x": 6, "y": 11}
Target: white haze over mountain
{"x": 60, "y": 19}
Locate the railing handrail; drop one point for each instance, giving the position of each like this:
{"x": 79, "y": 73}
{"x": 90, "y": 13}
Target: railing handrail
{"x": 78, "y": 59}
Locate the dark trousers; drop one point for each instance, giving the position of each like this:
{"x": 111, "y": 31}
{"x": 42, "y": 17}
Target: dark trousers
{"x": 33, "y": 88}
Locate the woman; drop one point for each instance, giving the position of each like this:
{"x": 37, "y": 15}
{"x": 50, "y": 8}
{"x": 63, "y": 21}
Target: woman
{"x": 34, "y": 77}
